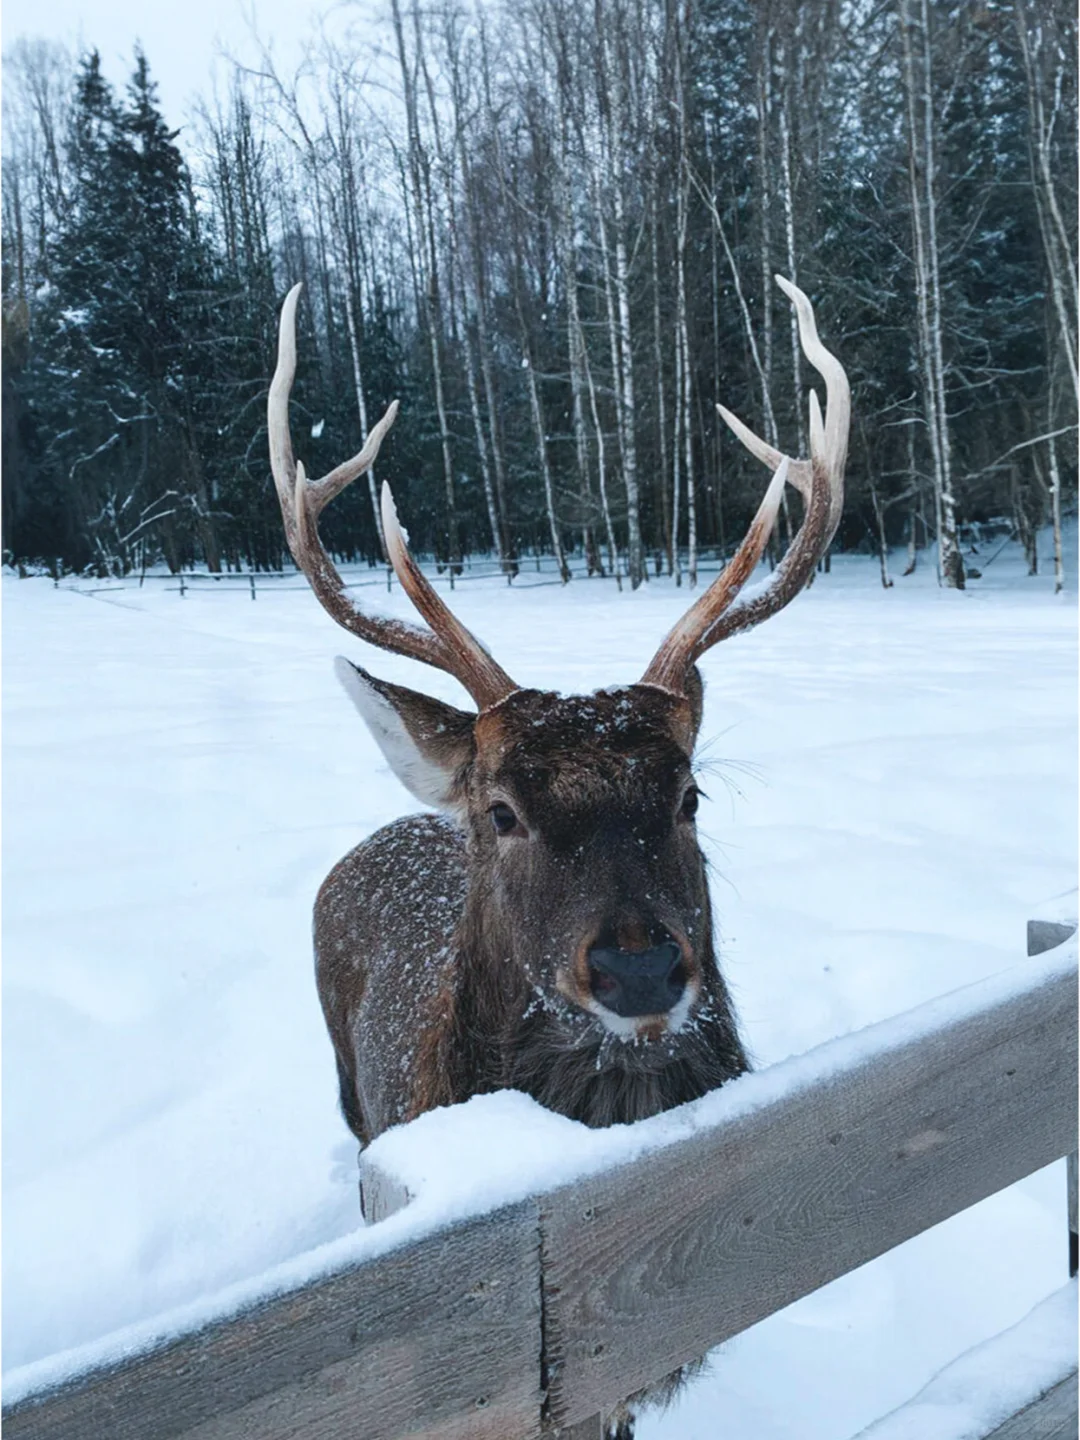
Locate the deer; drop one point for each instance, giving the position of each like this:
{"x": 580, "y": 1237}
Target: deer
{"x": 546, "y": 926}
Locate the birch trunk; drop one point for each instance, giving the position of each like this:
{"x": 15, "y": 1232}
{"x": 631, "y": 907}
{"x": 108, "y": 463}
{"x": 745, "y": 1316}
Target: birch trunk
{"x": 927, "y": 286}
{"x": 433, "y": 305}
{"x": 676, "y": 466}
{"x": 688, "y": 441}
{"x": 361, "y": 406}
{"x": 601, "y": 464}
{"x": 612, "y": 331}
{"x": 541, "y": 444}
{"x": 476, "y": 249}
{"x": 574, "y": 341}
{"x": 1056, "y": 243}
{"x": 424, "y": 229}
{"x": 482, "y": 452}
{"x": 792, "y": 269}
{"x": 347, "y": 224}
{"x": 616, "y": 367}
{"x": 684, "y": 396}
{"x": 658, "y": 363}
{"x": 446, "y": 168}
{"x": 764, "y": 108}
{"x": 508, "y": 546}
{"x": 1055, "y": 511}
{"x": 630, "y": 477}
{"x": 913, "y": 481}
{"x": 714, "y": 263}
{"x": 611, "y": 108}
{"x": 952, "y": 561}
{"x": 567, "y": 249}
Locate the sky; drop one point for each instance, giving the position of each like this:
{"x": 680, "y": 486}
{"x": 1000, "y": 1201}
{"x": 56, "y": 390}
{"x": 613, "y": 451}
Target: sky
{"x": 183, "y": 42}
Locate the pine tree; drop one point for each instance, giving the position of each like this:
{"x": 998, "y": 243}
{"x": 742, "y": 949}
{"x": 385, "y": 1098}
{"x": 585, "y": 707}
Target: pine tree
{"x": 164, "y": 313}
{"x": 80, "y": 381}
{"x": 117, "y": 375}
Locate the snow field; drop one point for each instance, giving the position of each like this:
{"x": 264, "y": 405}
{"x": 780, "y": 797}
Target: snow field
{"x": 891, "y": 782}
{"x": 991, "y": 1382}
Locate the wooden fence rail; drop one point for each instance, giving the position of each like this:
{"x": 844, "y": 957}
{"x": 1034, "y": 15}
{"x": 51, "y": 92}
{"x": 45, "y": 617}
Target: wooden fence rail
{"x": 609, "y": 1283}
{"x": 361, "y": 577}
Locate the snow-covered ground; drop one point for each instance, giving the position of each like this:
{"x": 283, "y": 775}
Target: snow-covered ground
{"x": 891, "y": 781}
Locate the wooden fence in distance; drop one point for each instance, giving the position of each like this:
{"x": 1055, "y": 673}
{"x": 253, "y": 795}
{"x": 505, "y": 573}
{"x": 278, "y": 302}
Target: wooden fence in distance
{"x": 607, "y": 1284}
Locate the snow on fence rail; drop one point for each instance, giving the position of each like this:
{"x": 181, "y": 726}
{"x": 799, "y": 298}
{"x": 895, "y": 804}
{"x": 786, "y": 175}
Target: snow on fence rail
{"x": 777, "y": 1184}
{"x": 532, "y": 571}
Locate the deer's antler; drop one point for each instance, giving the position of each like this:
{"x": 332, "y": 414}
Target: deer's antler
{"x": 722, "y": 611}
{"x": 448, "y": 645}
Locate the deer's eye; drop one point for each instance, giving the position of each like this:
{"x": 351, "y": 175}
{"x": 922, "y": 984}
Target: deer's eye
{"x": 503, "y": 818}
{"x": 689, "y": 807}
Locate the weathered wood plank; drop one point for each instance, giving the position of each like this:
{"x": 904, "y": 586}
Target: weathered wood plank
{"x": 591, "y": 1428}
{"x": 439, "y": 1339}
{"x": 1053, "y": 1416}
{"x": 650, "y": 1265}
{"x": 1043, "y": 935}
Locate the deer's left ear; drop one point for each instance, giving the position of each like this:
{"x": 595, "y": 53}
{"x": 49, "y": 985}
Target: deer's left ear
{"x": 427, "y": 744}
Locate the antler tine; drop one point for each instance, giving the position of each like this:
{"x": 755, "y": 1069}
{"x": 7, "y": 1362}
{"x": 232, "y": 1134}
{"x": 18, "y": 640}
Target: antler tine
{"x": 790, "y": 576}
{"x": 448, "y": 645}
{"x": 721, "y": 612}
{"x": 481, "y": 675}
{"x": 838, "y": 410}
{"x": 282, "y": 463}
{"x": 837, "y": 399}
{"x": 798, "y": 470}
{"x": 680, "y": 649}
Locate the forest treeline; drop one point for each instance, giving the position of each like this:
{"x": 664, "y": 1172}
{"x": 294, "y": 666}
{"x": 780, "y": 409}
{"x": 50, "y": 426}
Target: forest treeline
{"x": 550, "y": 228}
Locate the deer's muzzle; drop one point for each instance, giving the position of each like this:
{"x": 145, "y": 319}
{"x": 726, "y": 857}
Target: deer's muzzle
{"x": 632, "y": 983}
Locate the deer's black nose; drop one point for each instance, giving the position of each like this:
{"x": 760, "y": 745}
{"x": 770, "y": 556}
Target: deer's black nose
{"x": 637, "y": 982}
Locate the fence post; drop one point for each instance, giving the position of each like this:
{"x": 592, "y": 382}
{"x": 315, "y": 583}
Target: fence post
{"x": 251, "y": 581}
{"x": 1045, "y": 935}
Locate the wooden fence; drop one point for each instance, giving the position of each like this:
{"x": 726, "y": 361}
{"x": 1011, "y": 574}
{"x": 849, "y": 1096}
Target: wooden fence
{"x": 533, "y": 570}
{"x": 533, "y": 1319}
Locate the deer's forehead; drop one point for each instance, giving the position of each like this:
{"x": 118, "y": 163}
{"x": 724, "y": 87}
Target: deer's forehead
{"x": 610, "y": 721}
{"x": 572, "y": 746}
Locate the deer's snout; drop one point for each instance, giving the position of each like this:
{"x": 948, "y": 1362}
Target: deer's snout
{"x": 632, "y": 983}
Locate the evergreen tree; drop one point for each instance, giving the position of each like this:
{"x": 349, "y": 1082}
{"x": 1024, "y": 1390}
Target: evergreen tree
{"x": 115, "y": 381}
{"x": 79, "y": 383}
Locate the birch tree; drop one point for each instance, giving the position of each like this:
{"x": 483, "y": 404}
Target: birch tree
{"x": 423, "y": 221}
{"x": 920, "y": 105}
{"x": 610, "y": 80}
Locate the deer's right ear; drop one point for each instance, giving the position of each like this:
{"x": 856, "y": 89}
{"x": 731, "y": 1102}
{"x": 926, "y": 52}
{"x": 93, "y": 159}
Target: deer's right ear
{"x": 426, "y": 743}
